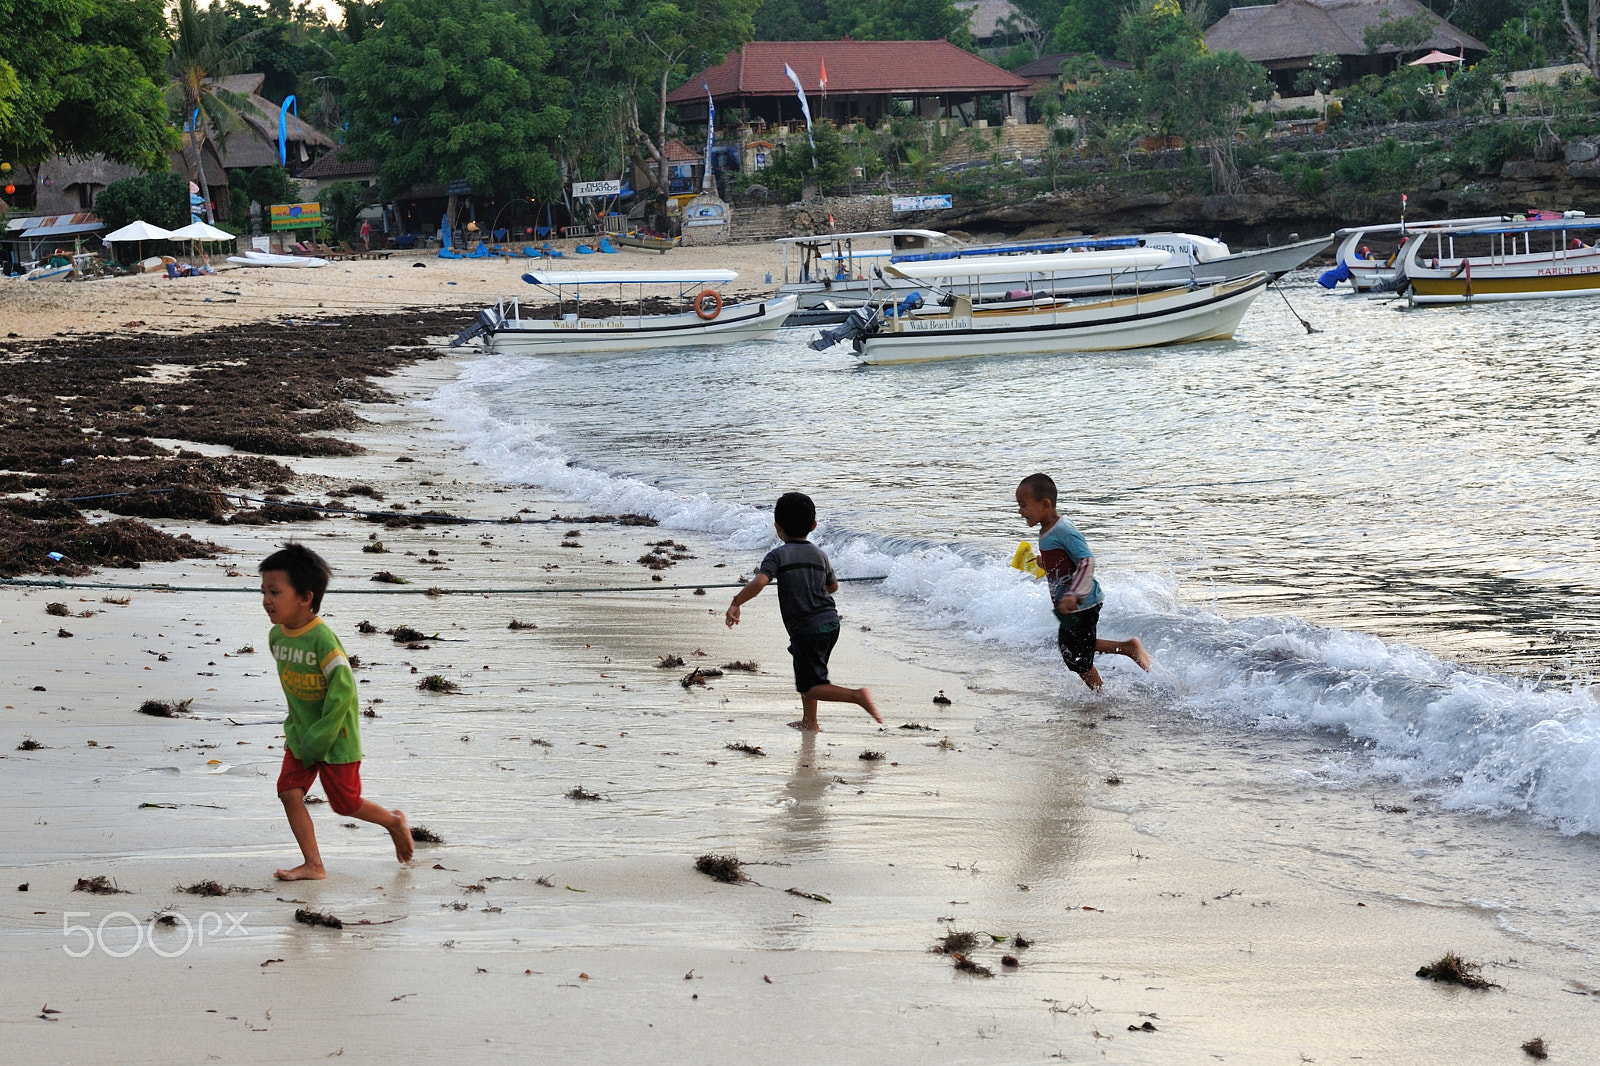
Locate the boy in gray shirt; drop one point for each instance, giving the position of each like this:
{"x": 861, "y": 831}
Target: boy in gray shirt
{"x": 806, "y": 585}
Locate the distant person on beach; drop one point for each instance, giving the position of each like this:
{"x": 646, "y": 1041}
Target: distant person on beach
{"x": 805, "y": 598}
{"x": 1075, "y": 595}
{"x": 322, "y": 735}
{"x": 366, "y": 236}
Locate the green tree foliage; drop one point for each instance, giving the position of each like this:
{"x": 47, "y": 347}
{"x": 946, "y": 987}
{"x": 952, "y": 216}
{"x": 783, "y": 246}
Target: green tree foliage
{"x": 1386, "y": 165}
{"x": 263, "y": 185}
{"x": 198, "y": 57}
{"x": 455, "y": 89}
{"x": 84, "y": 79}
{"x": 793, "y": 167}
{"x": 1089, "y": 26}
{"x": 1157, "y": 27}
{"x": 1206, "y": 98}
{"x": 160, "y": 199}
{"x": 864, "y": 20}
{"x": 1406, "y": 32}
{"x": 341, "y": 205}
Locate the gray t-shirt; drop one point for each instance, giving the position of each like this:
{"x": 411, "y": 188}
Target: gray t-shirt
{"x": 803, "y": 575}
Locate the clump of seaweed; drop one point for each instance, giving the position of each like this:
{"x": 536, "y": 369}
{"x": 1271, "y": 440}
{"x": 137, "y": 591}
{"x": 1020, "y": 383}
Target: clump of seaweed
{"x": 98, "y": 885}
{"x": 515, "y": 624}
{"x": 1010, "y": 961}
{"x": 1452, "y": 969}
{"x": 698, "y": 675}
{"x": 744, "y": 666}
{"x": 59, "y": 610}
{"x": 748, "y": 749}
{"x": 165, "y": 708}
{"x": 305, "y": 916}
{"x": 1536, "y": 1048}
{"x": 438, "y": 683}
{"x": 578, "y": 792}
{"x": 374, "y": 547}
{"x": 956, "y": 942}
{"x": 421, "y": 834}
{"x": 29, "y": 744}
{"x": 387, "y": 578}
{"x": 365, "y": 626}
{"x": 870, "y": 756}
{"x": 205, "y": 888}
{"x": 1020, "y": 942}
{"x": 406, "y": 635}
{"x": 669, "y": 662}
{"x": 725, "y": 868}
{"x": 966, "y": 965}
{"x": 918, "y": 727}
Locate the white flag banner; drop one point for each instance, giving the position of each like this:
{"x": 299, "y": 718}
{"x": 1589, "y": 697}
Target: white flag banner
{"x": 805, "y": 108}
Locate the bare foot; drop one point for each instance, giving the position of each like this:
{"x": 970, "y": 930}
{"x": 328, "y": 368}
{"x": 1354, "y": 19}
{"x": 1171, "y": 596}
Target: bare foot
{"x": 402, "y": 837}
{"x": 868, "y": 706}
{"x": 304, "y": 872}
{"x": 1137, "y": 653}
{"x": 806, "y": 727}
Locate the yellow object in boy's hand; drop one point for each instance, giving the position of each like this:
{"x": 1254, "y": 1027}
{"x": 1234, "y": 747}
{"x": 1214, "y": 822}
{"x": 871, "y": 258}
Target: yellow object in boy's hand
{"x": 1027, "y": 560}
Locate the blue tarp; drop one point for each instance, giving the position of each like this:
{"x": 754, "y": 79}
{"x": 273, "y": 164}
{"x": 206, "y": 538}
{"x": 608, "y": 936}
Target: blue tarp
{"x": 1329, "y": 279}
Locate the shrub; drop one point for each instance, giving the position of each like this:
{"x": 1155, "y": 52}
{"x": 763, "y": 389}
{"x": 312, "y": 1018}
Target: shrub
{"x": 1487, "y": 146}
{"x": 1386, "y": 165}
{"x": 159, "y": 199}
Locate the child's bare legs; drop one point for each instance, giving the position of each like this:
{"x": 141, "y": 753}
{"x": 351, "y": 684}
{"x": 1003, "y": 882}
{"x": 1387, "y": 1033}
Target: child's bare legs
{"x": 393, "y": 821}
{"x": 832, "y": 694}
{"x": 294, "y": 805}
{"x": 1130, "y": 647}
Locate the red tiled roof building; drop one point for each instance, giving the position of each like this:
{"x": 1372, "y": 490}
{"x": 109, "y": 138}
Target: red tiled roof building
{"x": 864, "y": 80}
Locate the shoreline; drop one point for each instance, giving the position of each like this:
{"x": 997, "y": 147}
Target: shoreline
{"x": 1198, "y": 894}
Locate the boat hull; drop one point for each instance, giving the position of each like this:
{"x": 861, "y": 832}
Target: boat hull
{"x": 1488, "y": 286}
{"x": 1176, "y": 316}
{"x": 631, "y": 333}
{"x": 848, "y": 294}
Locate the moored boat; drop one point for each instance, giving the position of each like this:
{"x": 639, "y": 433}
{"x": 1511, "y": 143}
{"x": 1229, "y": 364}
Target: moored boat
{"x": 1367, "y": 269}
{"x": 909, "y": 332}
{"x": 703, "y": 319}
{"x": 1531, "y": 260}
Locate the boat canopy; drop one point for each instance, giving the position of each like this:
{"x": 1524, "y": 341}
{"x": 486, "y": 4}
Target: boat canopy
{"x": 1436, "y": 223}
{"x": 1543, "y": 226}
{"x": 1063, "y": 263}
{"x": 825, "y": 238}
{"x": 980, "y": 251}
{"x": 628, "y": 277}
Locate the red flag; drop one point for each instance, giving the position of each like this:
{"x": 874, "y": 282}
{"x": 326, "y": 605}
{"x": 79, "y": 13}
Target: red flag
{"x": 823, "y": 80}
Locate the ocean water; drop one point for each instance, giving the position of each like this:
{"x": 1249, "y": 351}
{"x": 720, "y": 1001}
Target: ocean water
{"x": 1379, "y": 537}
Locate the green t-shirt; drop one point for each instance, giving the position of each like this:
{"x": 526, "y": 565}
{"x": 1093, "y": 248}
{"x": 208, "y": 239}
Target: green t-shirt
{"x": 324, "y": 723}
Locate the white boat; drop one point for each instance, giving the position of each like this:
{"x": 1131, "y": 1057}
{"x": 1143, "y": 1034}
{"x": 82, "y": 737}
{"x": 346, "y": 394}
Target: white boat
{"x": 254, "y": 258}
{"x": 1194, "y": 260}
{"x": 48, "y": 273}
{"x": 1137, "y": 318}
{"x": 706, "y": 319}
{"x": 1532, "y": 260}
{"x": 1367, "y": 269}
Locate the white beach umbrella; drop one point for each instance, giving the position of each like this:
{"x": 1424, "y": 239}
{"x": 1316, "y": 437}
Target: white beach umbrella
{"x": 199, "y": 231}
{"x": 138, "y": 232}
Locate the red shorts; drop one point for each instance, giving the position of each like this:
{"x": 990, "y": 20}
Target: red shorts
{"x": 340, "y": 780}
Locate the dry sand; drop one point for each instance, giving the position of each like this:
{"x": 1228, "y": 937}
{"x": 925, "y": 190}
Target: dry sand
{"x": 1162, "y": 881}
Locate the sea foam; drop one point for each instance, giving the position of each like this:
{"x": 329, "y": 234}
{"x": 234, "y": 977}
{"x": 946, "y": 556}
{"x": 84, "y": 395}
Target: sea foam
{"x": 1482, "y": 742}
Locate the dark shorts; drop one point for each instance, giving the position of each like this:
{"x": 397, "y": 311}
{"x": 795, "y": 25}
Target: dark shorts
{"x": 340, "y": 780}
{"x": 811, "y": 651}
{"x": 1076, "y": 638}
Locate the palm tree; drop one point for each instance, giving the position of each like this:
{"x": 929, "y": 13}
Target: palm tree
{"x": 196, "y": 64}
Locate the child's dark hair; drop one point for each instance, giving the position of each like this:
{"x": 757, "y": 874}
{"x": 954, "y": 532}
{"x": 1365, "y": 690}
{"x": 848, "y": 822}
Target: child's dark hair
{"x": 307, "y": 571}
{"x": 1040, "y": 486}
{"x": 795, "y": 514}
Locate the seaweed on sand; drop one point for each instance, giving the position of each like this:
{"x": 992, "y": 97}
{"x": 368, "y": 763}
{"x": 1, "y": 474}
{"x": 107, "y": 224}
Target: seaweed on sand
{"x": 698, "y": 675}
{"x": 725, "y": 868}
{"x": 742, "y": 665}
{"x": 385, "y": 577}
{"x": 669, "y": 662}
{"x": 305, "y": 916}
{"x": 1536, "y": 1048}
{"x": 578, "y": 792}
{"x": 60, "y": 610}
{"x": 438, "y": 683}
{"x": 516, "y": 624}
{"x": 29, "y": 744}
{"x": 1452, "y": 969}
{"x": 870, "y": 756}
{"x": 406, "y": 635}
{"x": 748, "y": 749}
{"x": 966, "y": 965}
{"x": 165, "y": 708}
{"x": 98, "y": 885}
{"x": 421, "y": 834}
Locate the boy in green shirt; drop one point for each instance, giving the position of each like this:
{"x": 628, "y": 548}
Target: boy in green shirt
{"x": 322, "y": 735}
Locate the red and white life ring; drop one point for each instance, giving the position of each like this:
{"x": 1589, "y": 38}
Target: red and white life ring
{"x": 708, "y": 304}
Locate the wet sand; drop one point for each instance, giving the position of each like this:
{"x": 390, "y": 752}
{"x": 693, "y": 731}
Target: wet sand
{"x": 1162, "y": 877}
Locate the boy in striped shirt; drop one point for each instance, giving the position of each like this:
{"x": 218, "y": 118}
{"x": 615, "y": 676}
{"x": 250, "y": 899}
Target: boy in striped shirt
{"x": 322, "y": 735}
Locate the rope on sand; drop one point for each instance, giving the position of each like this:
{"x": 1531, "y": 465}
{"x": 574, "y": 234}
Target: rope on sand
{"x": 60, "y": 583}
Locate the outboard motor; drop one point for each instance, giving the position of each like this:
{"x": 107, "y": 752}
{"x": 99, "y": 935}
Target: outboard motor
{"x": 489, "y": 320}
{"x": 862, "y": 322}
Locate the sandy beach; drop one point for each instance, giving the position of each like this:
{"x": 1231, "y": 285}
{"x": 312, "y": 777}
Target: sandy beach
{"x": 1183, "y": 896}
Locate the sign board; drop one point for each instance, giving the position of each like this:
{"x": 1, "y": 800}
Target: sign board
{"x": 458, "y": 187}
{"x": 584, "y": 189}
{"x": 296, "y": 216}
{"x": 936, "y": 202}
{"x": 261, "y": 244}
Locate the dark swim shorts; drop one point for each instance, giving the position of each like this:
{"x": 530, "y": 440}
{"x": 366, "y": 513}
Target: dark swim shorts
{"x": 811, "y": 651}
{"x": 1076, "y": 638}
